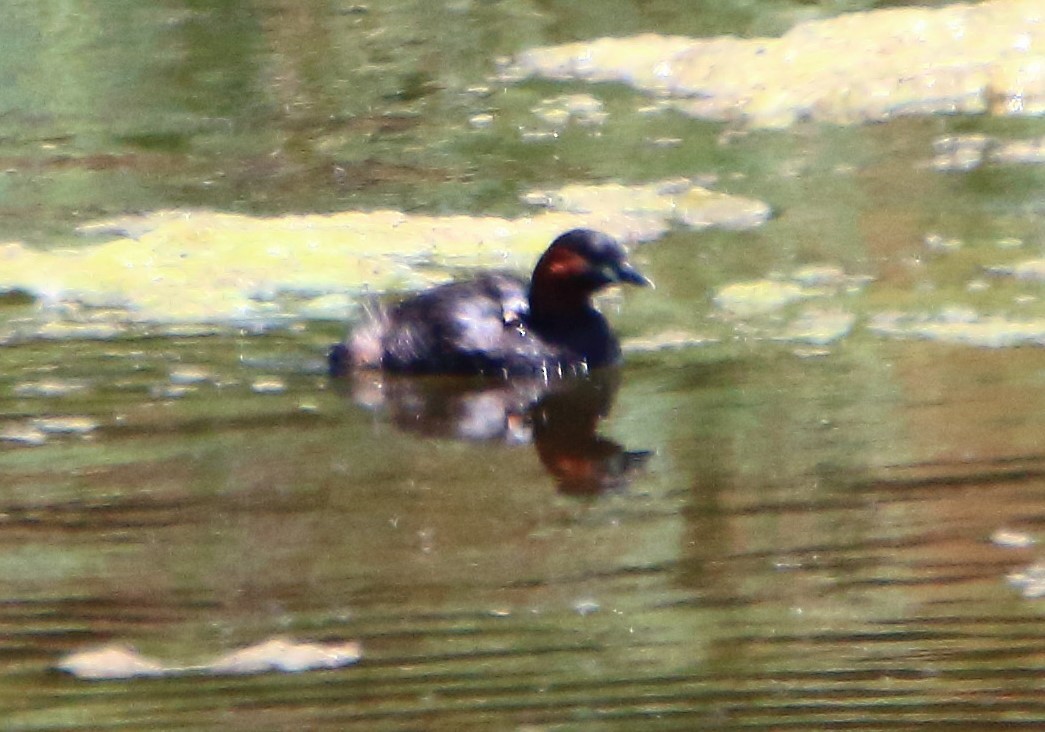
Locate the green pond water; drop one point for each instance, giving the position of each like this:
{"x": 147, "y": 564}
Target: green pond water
{"x": 763, "y": 530}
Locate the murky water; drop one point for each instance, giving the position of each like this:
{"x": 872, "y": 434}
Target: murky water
{"x": 763, "y": 531}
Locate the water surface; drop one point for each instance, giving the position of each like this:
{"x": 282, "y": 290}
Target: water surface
{"x": 806, "y": 542}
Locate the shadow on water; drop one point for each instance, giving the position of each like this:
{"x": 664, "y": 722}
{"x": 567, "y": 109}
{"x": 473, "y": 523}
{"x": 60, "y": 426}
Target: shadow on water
{"x": 560, "y": 418}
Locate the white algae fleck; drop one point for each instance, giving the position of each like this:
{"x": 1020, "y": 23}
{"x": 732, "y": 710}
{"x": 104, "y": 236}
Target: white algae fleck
{"x": 23, "y": 435}
{"x": 119, "y": 661}
{"x": 1030, "y": 581}
{"x": 65, "y": 425}
{"x": 963, "y": 326}
{"x": 268, "y": 385}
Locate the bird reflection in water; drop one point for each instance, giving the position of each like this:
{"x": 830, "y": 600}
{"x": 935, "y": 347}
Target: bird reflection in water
{"x": 559, "y": 417}
{"x": 548, "y": 357}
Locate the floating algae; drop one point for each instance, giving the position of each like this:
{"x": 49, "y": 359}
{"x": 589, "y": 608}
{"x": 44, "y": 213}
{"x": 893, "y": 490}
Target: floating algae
{"x": 961, "y": 326}
{"x": 583, "y": 109}
{"x": 818, "y": 327}
{"x": 23, "y": 435}
{"x": 268, "y": 385}
{"x": 50, "y": 388}
{"x": 1030, "y": 581}
{"x": 667, "y": 341}
{"x": 960, "y": 153}
{"x": 752, "y": 298}
{"x": 650, "y": 206}
{"x": 177, "y": 267}
{"x": 759, "y": 309}
{"x": 65, "y": 425}
{"x": 857, "y": 67}
{"x": 119, "y": 661}
{"x": 758, "y": 297}
{"x": 1031, "y": 269}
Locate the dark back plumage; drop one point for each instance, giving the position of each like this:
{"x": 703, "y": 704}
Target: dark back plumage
{"x": 497, "y": 324}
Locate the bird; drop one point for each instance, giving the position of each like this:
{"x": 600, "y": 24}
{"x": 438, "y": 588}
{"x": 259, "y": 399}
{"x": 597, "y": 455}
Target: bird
{"x": 497, "y": 324}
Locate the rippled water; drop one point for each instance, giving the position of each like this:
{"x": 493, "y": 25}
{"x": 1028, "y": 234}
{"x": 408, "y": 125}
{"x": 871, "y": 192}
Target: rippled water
{"x": 750, "y": 533}
{"x": 809, "y": 545}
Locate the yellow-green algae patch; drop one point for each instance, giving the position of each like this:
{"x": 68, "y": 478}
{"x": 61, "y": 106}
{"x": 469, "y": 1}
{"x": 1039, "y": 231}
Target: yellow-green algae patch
{"x": 175, "y": 267}
{"x": 557, "y": 112}
{"x": 752, "y": 298}
{"x": 757, "y": 308}
{"x": 961, "y": 325}
{"x": 758, "y": 297}
{"x": 818, "y": 326}
{"x": 666, "y": 341}
{"x": 966, "y": 152}
{"x": 962, "y": 58}
{"x": 650, "y": 206}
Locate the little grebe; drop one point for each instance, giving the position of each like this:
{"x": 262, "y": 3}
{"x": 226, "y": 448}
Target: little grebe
{"x": 498, "y": 325}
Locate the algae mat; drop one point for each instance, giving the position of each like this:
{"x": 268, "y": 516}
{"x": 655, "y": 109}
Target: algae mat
{"x": 197, "y": 266}
{"x": 858, "y": 67}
